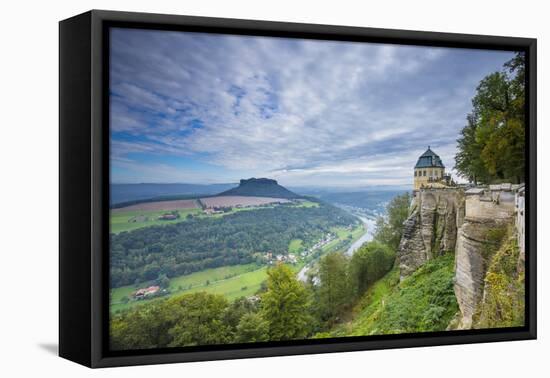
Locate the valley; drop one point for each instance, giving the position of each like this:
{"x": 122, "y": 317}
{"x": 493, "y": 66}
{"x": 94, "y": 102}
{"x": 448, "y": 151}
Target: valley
{"x": 245, "y": 278}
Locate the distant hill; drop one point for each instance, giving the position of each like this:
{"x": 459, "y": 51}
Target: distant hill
{"x": 260, "y": 187}
{"x": 122, "y": 193}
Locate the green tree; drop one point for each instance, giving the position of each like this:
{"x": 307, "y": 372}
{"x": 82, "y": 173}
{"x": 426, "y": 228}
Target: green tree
{"x": 237, "y": 309}
{"x": 163, "y": 281}
{"x": 199, "y": 320}
{"x": 390, "y": 229}
{"x": 141, "y": 328}
{"x": 370, "y": 263}
{"x": 491, "y": 147}
{"x": 334, "y": 289}
{"x": 467, "y": 159}
{"x": 252, "y": 328}
{"x": 285, "y": 305}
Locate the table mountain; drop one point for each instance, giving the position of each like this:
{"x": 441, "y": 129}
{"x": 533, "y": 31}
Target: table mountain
{"x": 260, "y": 187}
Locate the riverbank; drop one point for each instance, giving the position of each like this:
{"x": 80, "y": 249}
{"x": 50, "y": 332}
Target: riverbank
{"x": 368, "y": 235}
{"x": 369, "y": 225}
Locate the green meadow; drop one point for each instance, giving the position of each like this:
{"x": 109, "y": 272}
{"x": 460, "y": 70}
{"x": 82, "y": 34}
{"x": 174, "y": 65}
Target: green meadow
{"x": 122, "y": 221}
{"x": 135, "y": 219}
{"x": 295, "y": 246}
{"x": 231, "y": 281}
{"x": 343, "y": 234}
{"x": 307, "y": 204}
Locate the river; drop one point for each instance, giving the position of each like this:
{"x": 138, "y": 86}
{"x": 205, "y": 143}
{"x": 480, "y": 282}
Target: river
{"x": 370, "y": 225}
{"x": 367, "y": 236}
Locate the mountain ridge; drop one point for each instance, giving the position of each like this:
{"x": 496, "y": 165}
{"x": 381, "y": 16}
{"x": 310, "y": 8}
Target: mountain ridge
{"x": 260, "y": 187}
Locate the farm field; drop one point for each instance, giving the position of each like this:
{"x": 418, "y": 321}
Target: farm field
{"x": 160, "y": 206}
{"x": 146, "y": 214}
{"x": 134, "y": 219}
{"x": 228, "y": 281}
{"x": 230, "y": 201}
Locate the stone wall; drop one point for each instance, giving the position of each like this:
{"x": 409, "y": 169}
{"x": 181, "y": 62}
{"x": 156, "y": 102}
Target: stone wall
{"x": 486, "y": 210}
{"x": 488, "y": 204}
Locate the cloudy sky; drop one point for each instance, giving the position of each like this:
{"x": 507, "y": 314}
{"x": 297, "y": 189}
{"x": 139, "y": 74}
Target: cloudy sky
{"x": 206, "y": 108}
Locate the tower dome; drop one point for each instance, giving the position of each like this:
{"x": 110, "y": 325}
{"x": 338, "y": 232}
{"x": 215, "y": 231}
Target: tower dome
{"x": 429, "y": 171}
{"x": 429, "y": 159}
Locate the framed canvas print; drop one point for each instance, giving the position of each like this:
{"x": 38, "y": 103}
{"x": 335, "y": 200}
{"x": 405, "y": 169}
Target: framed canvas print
{"x": 233, "y": 188}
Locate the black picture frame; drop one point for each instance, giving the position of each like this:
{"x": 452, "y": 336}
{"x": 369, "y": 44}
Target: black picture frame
{"x": 84, "y": 187}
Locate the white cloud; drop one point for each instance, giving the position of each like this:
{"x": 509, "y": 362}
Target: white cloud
{"x": 298, "y": 110}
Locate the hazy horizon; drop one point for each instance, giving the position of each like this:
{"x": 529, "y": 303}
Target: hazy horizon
{"x": 282, "y": 184}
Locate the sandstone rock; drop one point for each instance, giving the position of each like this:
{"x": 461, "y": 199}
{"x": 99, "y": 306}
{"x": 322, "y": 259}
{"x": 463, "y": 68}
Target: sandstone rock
{"x": 470, "y": 268}
{"x": 431, "y": 229}
{"x": 484, "y": 211}
{"x": 411, "y": 248}
{"x": 453, "y": 220}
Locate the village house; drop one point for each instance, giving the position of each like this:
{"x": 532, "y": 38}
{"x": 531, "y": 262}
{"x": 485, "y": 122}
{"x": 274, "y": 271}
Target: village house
{"x": 168, "y": 216}
{"x": 146, "y": 292}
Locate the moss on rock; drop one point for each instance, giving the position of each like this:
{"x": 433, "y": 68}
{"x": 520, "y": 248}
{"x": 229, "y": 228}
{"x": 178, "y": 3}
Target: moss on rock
{"x": 503, "y": 303}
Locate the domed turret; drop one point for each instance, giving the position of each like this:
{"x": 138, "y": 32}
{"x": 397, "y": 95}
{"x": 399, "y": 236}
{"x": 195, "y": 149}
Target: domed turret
{"x": 429, "y": 171}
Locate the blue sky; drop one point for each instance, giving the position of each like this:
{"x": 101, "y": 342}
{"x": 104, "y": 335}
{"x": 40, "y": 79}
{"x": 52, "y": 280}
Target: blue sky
{"x": 207, "y": 108}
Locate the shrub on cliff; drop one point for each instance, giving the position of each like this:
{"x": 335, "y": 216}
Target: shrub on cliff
{"x": 503, "y": 303}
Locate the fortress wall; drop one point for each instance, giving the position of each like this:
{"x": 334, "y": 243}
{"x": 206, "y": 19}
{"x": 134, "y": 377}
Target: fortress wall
{"x": 486, "y": 209}
{"x": 490, "y": 206}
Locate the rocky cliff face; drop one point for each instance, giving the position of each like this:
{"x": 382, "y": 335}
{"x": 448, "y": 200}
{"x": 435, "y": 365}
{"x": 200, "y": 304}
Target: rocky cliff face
{"x": 431, "y": 229}
{"x": 487, "y": 217}
{"x": 476, "y": 239}
{"x": 469, "y": 224}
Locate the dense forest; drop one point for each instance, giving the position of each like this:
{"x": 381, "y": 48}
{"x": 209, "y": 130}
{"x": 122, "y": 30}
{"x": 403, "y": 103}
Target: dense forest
{"x": 200, "y": 243}
{"x": 491, "y": 147}
{"x": 285, "y": 309}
